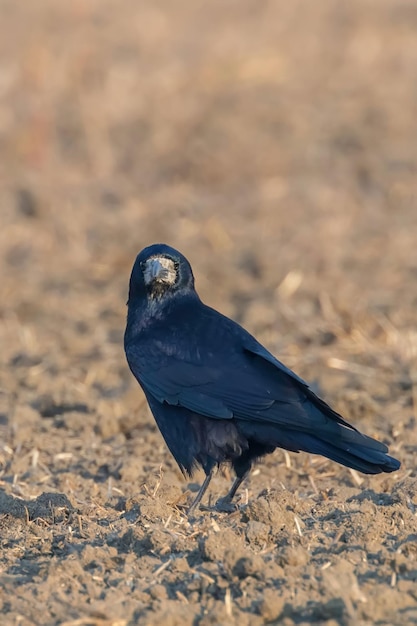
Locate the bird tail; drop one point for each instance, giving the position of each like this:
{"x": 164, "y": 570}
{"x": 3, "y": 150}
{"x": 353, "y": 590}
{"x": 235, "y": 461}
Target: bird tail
{"x": 337, "y": 441}
{"x": 356, "y": 455}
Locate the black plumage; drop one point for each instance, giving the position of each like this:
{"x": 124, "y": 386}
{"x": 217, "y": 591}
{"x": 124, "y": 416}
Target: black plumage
{"x": 216, "y": 393}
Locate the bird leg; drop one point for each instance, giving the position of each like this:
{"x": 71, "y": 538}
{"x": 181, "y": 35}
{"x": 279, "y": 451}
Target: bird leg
{"x": 201, "y": 492}
{"x": 225, "y": 504}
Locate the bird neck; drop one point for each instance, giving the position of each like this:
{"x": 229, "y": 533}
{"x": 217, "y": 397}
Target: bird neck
{"x": 142, "y": 313}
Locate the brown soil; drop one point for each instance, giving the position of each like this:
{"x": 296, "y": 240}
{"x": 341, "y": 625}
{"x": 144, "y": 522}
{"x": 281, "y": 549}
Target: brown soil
{"x": 275, "y": 144}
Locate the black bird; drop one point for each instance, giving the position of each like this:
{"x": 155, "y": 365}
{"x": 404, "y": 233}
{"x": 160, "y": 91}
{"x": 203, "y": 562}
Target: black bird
{"x": 216, "y": 393}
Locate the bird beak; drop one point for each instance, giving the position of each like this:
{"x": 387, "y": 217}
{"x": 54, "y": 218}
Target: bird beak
{"x": 153, "y": 270}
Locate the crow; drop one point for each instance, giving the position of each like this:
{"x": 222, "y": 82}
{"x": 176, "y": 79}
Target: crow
{"x": 217, "y": 395}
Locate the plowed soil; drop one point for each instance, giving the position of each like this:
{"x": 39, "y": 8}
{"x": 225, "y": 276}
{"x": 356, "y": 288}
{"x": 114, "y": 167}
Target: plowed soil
{"x": 274, "y": 144}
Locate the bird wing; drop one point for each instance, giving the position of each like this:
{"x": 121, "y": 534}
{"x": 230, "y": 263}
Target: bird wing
{"x": 179, "y": 382}
{"x": 238, "y": 380}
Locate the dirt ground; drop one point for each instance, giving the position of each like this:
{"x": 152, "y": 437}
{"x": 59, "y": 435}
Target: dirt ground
{"x": 274, "y": 144}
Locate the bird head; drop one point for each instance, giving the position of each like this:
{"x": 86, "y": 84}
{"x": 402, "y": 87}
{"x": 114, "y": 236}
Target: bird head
{"x": 160, "y": 270}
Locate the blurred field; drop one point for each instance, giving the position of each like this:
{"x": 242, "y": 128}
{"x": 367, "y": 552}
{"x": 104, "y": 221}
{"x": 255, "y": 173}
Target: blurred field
{"x": 274, "y": 144}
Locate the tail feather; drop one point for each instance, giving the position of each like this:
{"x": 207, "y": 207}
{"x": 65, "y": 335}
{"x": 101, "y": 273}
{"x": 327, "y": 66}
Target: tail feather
{"x": 358, "y": 457}
{"x": 347, "y": 447}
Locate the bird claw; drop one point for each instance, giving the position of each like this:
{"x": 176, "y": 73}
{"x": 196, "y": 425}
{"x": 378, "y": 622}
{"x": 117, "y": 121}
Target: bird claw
{"x": 225, "y": 505}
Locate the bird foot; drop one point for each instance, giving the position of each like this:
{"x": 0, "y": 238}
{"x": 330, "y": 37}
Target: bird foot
{"x": 225, "y": 505}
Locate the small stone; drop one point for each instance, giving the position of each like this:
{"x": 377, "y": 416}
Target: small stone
{"x": 257, "y": 533}
{"x": 158, "y": 592}
{"x": 252, "y": 565}
{"x": 271, "y": 605}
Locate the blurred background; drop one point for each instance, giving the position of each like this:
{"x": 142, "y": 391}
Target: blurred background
{"x": 273, "y": 143}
